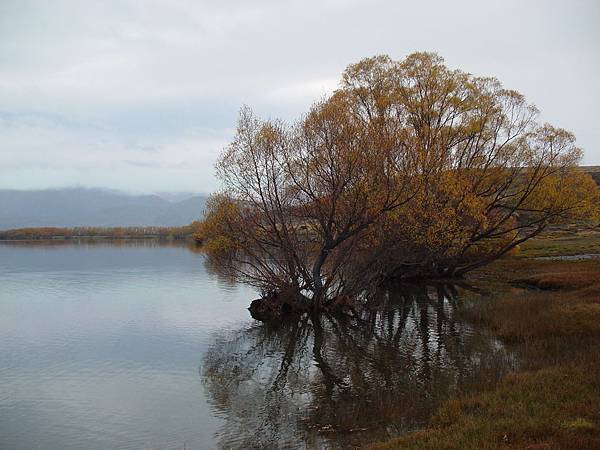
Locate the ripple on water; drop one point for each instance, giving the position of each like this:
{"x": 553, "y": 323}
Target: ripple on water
{"x": 141, "y": 347}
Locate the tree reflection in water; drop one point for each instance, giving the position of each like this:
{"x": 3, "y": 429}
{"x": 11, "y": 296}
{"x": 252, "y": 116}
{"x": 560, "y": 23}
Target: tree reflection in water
{"x": 338, "y": 382}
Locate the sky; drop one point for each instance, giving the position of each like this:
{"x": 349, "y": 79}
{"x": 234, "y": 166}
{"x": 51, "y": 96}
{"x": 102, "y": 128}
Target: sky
{"x": 142, "y": 96}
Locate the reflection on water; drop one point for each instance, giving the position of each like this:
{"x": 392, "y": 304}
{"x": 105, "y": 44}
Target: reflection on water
{"x": 140, "y": 345}
{"x": 100, "y": 345}
{"x": 327, "y": 382}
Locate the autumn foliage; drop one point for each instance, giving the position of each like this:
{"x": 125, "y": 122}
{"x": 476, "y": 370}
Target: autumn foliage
{"x": 408, "y": 169}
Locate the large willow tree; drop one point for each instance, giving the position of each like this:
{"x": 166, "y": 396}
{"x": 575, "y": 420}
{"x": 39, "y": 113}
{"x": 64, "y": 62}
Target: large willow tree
{"x": 408, "y": 169}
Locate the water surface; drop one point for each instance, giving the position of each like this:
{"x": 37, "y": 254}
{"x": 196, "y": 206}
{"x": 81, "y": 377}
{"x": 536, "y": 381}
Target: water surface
{"x": 140, "y": 346}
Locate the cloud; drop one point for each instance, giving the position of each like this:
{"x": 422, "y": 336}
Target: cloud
{"x": 44, "y": 153}
{"x": 304, "y": 91}
{"x": 88, "y": 85}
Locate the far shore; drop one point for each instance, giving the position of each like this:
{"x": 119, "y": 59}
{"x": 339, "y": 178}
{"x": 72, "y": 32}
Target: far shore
{"x": 97, "y": 233}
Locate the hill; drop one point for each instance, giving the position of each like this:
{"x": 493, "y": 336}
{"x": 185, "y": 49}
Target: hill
{"x": 79, "y": 207}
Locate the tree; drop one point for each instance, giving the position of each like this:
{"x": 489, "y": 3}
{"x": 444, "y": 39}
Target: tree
{"x": 297, "y": 199}
{"x": 495, "y": 177}
{"x": 408, "y": 169}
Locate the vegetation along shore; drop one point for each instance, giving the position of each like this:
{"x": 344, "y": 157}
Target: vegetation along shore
{"x": 55, "y": 233}
{"x": 549, "y": 307}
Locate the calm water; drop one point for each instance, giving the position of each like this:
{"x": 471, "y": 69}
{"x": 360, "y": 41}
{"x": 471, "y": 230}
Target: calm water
{"x": 140, "y": 346}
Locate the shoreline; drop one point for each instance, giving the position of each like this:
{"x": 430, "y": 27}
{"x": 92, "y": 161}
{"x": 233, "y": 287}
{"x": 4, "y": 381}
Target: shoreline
{"x": 551, "y": 305}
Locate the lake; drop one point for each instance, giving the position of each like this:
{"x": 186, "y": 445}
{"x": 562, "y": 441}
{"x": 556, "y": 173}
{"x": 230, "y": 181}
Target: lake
{"x": 143, "y": 345}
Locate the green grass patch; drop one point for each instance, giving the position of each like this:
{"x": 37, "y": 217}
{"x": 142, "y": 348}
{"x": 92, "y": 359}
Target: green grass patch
{"x": 562, "y": 243}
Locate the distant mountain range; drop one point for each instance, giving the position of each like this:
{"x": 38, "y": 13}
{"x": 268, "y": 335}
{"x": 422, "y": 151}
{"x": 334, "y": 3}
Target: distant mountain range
{"x": 75, "y": 207}
{"x": 95, "y": 208}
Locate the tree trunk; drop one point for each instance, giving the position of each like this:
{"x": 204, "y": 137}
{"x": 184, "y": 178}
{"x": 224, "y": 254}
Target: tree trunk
{"x": 318, "y": 294}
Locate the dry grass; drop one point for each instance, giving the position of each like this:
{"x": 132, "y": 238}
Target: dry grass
{"x": 518, "y": 270}
{"x": 571, "y": 308}
{"x": 555, "y": 406}
{"x": 560, "y": 280}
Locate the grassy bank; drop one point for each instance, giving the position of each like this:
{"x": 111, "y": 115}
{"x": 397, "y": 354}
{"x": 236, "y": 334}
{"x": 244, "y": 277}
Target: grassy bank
{"x": 563, "y": 242}
{"x": 550, "y": 310}
{"x": 550, "y": 408}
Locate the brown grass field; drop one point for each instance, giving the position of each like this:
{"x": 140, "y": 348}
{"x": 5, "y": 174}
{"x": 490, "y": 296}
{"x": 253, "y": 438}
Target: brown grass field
{"x": 552, "y": 309}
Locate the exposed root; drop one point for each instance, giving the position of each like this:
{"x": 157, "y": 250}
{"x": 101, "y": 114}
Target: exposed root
{"x": 277, "y": 306}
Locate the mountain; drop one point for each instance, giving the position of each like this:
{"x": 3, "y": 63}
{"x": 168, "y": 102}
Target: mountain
{"x": 94, "y": 208}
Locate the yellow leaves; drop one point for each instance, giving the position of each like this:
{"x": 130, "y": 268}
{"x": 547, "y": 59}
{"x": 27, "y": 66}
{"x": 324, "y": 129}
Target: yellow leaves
{"x": 572, "y": 193}
{"x": 409, "y": 159}
{"x": 367, "y": 73}
{"x": 216, "y": 231}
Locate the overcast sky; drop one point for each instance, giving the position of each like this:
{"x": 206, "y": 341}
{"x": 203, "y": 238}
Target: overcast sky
{"x": 143, "y": 95}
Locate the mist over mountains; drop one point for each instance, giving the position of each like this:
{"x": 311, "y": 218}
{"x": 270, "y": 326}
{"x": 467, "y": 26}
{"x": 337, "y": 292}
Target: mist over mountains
{"x": 72, "y": 207}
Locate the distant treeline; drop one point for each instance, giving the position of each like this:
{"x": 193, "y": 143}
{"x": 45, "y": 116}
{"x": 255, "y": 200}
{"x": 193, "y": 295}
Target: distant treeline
{"x": 44, "y": 233}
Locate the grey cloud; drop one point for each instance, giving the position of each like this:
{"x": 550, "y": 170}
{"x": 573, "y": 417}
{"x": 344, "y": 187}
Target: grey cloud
{"x": 98, "y": 83}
